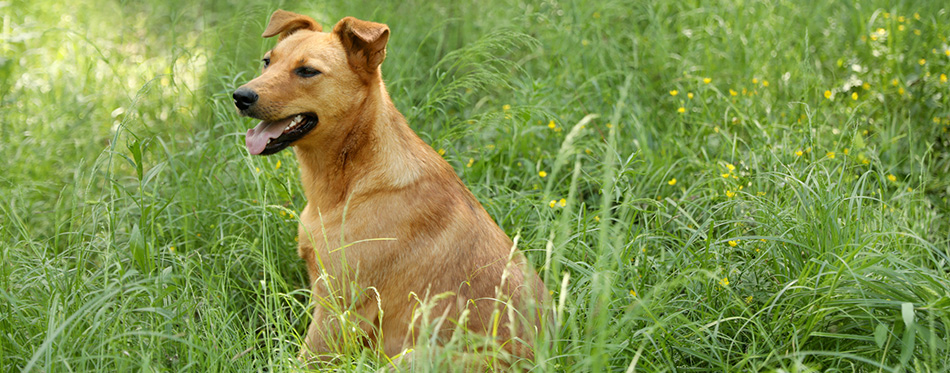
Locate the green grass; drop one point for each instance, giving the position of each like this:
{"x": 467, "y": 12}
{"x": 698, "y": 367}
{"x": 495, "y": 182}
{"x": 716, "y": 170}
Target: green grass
{"x": 802, "y": 233}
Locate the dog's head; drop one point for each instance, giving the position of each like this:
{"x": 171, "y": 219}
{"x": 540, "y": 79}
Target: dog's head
{"x": 310, "y": 79}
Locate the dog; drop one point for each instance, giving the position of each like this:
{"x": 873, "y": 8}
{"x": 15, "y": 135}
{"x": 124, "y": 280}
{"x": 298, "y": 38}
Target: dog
{"x": 388, "y": 226}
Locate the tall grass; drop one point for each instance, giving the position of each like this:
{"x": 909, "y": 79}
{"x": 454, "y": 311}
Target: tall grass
{"x": 734, "y": 186}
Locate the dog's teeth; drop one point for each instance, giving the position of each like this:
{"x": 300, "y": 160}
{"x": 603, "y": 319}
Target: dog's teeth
{"x": 298, "y": 118}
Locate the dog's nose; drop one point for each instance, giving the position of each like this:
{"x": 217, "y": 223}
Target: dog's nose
{"x": 244, "y": 98}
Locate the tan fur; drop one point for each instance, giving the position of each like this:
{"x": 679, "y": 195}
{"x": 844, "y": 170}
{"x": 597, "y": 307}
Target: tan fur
{"x": 368, "y": 176}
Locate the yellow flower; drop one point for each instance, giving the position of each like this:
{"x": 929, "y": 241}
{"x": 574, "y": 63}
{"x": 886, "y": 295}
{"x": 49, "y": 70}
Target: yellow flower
{"x": 562, "y": 202}
{"x": 894, "y": 82}
{"x": 470, "y": 162}
{"x": 917, "y": 16}
{"x": 922, "y": 61}
{"x": 846, "y": 151}
{"x": 730, "y": 194}
{"x": 672, "y": 181}
{"x": 506, "y": 107}
{"x": 830, "y": 155}
{"x": 799, "y": 153}
{"x": 755, "y": 81}
{"x": 551, "y": 125}
{"x": 749, "y": 298}
{"x": 765, "y": 83}
{"x": 900, "y": 28}
{"x": 674, "y": 92}
{"x": 552, "y": 203}
{"x": 543, "y": 174}
{"x": 854, "y": 96}
{"x": 277, "y": 166}
{"x": 730, "y": 167}
{"x": 724, "y": 282}
{"x": 597, "y": 218}
{"x": 681, "y": 110}
{"x": 900, "y": 91}
{"x": 707, "y": 80}
{"x": 916, "y": 32}
{"x": 633, "y": 293}
{"x": 901, "y": 19}
{"x": 947, "y": 52}
{"x": 866, "y": 86}
{"x": 441, "y": 151}
{"x": 891, "y": 177}
{"x": 725, "y": 175}
{"x": 257, "y": 169}
{"x": 733, "y": 243}
{"x": 585, "y": 42}
{"x": 943, "y": 77}
{"x": 172, "y": 249}
{"x": 690, "y": 94}
{"x": 828, "y": 94}
{"x": 716, "y": 129}
{"x": 733, "y": 93}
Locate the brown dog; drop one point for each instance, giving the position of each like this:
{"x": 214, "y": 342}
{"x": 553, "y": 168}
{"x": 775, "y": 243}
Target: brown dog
{"x": 388, "y": 224}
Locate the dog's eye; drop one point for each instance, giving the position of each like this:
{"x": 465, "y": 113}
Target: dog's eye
{"x": 266, "y": 62}
{"x": 306, "y": 72}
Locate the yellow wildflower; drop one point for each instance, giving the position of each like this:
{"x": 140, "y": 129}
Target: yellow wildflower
{"x": 707, "y": 80}
{"x": 894, "y": 82}
{"x": 506, "y": 107}
{"x": 552, "y": 203}
{"x": 917, "y": 16}
{"x": 730, "y": 194}
{"x": 866, "y": 86}
{"x": 277, "y": 166}
{"x": 562, "y": 202}
{"x": 543, "y": 174}
{"x": 724, "y": 282}
{"x": 597, "y": 218}
{"x": 681, "y": 110}
{"x": 674, "y": 92}
{"x": 733, "y": 243}
{"x": 916, "y": 32}
{"x": 172, "y": 249}
{"x": 551, "y": 125}
{"x": 830, "y": 155}
{"x": 828, "y": 94}
{"x": 633, "y": 293}
{"x": 725, "y": 175}
{"x": 585, "y": 42}
{"x": 799, "y": 153}
{"x": 257, "y": 169}
{"x": 943, "y": 77}
{"x": 900, "y": 91}
{"x": 846, "y": 151}
{"x": 922, "y": 61}
{"x": 854, "y": 96}
{"x": 765, "y": 83}
{"x": 730, "y": 167}
{"x": 441, "y": 151}
{"x": 690, "y": 94}
{"x": 470, "y": 162}
{"x": 733, "y": 93}
{"x": 891, "y": 177}
{"x": 672, "y": 181}
{"x": 900, "y": 28}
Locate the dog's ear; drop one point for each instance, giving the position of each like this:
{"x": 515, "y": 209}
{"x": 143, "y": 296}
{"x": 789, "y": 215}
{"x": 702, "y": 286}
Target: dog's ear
{"x": 285, "y": 23}
{"x": 364, "y": 42}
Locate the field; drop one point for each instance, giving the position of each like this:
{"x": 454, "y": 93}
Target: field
{"x": 703, "y": 185}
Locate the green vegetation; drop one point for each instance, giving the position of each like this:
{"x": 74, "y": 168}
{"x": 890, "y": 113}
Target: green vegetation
{"x": 704, "y": 185}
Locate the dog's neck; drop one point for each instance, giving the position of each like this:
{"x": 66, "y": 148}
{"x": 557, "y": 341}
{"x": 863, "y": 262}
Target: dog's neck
{"x": 374, "y": 143}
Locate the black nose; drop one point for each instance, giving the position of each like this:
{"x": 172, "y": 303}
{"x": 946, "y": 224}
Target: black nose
{"x": 244, "y": 98}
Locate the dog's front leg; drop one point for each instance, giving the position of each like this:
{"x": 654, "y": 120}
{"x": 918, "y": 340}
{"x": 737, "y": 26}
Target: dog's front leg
{"x": 315, "y": 346}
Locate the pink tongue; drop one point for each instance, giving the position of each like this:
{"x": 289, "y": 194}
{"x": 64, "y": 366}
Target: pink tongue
{"x": 257, "y": 137}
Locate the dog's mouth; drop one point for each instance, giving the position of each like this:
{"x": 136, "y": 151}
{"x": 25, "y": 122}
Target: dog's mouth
{"x": 271, "y": 137}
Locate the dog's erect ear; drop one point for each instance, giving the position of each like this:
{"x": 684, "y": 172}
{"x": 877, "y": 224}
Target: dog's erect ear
{"x": 285, "y": 23}
{"x": 365, "y": 42}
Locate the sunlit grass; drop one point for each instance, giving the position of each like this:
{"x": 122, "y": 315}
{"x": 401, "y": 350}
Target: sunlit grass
{"x": 725, "y": 186}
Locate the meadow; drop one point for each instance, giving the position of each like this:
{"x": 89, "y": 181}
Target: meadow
{"x": 734, "y": 185}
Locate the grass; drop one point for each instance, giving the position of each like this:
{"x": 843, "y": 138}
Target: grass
{"x": 725, "y": 186}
